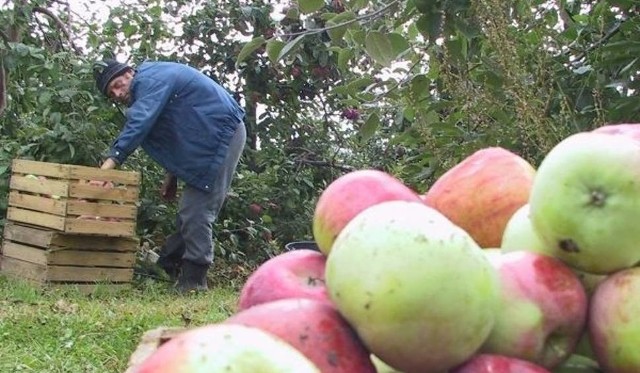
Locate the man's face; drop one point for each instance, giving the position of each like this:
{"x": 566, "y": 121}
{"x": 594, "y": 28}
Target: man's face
{"x": 119, "y": 89}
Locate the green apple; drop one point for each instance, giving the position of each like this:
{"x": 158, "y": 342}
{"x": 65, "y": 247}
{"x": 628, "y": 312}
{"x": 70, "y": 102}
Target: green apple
{"x": 417, "y": 289}
{"x": 519, "y": 234}
{"x": 585, "y": 202}
{"x": 221, "y": 348}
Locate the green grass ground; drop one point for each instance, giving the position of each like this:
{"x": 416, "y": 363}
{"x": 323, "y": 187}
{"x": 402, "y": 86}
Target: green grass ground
{"x": 47, "y": 330}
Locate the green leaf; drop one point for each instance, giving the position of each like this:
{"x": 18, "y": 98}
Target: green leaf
{"x": 44, "y": 98}
{"x": 310, "y": 6}
{"x": 379, "y": 47}
{"x": 430, "y": 25}
{"x": 370, "y": 127}
{"x": 249, "y": 48}
{"x": 338, "y": 33}
{"x": 274, "y": 47}
{"x": 344, "y": 56}
{"x": 399, "y": 43}
{"x": 290, "y": 47}
{"x": 419, "y": 87}
{"x": 293, "y": 13}
{"x": 55, "y": 117}
{"x": 359, "y": 84}
{"x": 155, "y": 11}
{"x": 129, "y": 30}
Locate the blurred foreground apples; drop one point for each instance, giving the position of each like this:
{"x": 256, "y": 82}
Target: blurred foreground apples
{"x": 226, "y": 349}
{"x": 487, "y": 363}
{"x": 314, "y": 328}
{"x": 481, "y": 193}
{"x": 418, "y": 290}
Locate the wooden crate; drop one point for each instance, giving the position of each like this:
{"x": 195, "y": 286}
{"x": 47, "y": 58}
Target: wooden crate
{"x": 58, "y": 196}
{"x": 45, "y": 256}
{"x": 150, "y": 341}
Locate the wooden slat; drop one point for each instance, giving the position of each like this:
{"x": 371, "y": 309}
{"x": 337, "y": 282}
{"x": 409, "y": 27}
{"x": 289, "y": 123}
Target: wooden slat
{"x": 93, "y": 173}
{"x": 111, "y": 210}
{"x": 55, "y": 241}
{"x": 36, "y": 218}
{"x": 22, "y": 269}
{"x": 24, "y": 252}
{"x": 88, "y": 274}
{"x": 83, "y": 190}
{"x": 94, "y": 243}
{"x": 106, "y": 228}
{"x": 48, "y": 187}
{"x": 66, "y": 171}
{"x": 91, "y": 259}
{"x": 28, "y": 235}
{"x": 49, "y": 169}
{"x": 43, "y": 204}
{"x": 150, "y": 341}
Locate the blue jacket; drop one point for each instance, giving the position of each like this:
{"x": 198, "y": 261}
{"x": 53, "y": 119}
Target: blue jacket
{"x": 183, "y": 119}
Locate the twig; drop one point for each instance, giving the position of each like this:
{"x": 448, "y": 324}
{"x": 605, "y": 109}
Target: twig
{"x": 325, "y": 164}
{"x": 614, "y": 30}
{"x": 363, "y": 17}
{"x": 5, "y": 39}
{"x": 60, "y": 25}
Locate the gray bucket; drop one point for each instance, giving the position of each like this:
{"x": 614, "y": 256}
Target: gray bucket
{"x": 300, "y": 245}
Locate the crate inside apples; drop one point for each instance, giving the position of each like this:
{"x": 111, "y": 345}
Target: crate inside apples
{"x": 498, "y": 267}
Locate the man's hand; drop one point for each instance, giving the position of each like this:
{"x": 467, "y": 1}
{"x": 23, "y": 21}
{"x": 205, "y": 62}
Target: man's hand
{"x": 108, "y": 164}
{"x": 169, "y": 187}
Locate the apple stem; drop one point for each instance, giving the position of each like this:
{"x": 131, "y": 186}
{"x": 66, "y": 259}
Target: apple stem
{"x": 598, "y": 198}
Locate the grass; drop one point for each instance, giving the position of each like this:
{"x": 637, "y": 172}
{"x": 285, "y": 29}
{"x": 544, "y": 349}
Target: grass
{"x": 48, "y": 330}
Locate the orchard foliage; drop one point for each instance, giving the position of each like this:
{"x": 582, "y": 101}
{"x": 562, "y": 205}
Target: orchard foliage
{"x": 406, "y": 86}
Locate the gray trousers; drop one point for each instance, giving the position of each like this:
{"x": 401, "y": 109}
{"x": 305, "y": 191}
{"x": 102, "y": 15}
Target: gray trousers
{"x": 198, "y": 210}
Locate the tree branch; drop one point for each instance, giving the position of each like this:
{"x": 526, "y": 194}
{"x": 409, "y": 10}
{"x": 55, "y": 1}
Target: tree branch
{"x": 60, "y": 25}
{"x": 325, "y": 164}
{"x": 373, "y": 15}
{"x": 611, "y": 33}
{"x": 5, "y": 38}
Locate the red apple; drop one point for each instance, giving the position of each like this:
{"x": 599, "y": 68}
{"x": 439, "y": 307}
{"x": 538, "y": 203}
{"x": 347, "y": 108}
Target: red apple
{"x": 220, "y": 348}
{"x": 349, "y": 195}
{"x": 614, "y": 322}
{"x": 314, "y": 328}
{"x": 631, "y": 130}
{"x": 543, "y": 309}
{"x": 487, "y": 363}
{"x": 292, "y": 274}
{"x": 482, "y": 192}
{"x": 255, "y": 210}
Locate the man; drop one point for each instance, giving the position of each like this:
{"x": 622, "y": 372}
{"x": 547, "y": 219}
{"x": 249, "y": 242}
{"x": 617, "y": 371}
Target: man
{"x": 193, "y": 128}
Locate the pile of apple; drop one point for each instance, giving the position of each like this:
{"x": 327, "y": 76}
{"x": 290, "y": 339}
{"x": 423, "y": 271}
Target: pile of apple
{"x": 499, "y": 267}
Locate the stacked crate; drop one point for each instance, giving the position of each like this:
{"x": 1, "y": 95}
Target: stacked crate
{"x": 63, "y": 230}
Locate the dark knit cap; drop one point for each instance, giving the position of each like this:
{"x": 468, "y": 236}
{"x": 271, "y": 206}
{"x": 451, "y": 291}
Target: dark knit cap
{"x": 107, "y": 70}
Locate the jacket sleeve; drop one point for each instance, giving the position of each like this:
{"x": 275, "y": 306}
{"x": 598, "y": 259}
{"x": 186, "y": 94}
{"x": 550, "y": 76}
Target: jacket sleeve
{"x": 152, "y": 96}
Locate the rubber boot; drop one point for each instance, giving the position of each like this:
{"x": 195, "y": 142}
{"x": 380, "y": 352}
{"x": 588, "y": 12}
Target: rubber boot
{"x": 192, "y": 278}
{"x": 170, "y": 256}
{"x": 170, "y": 267}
